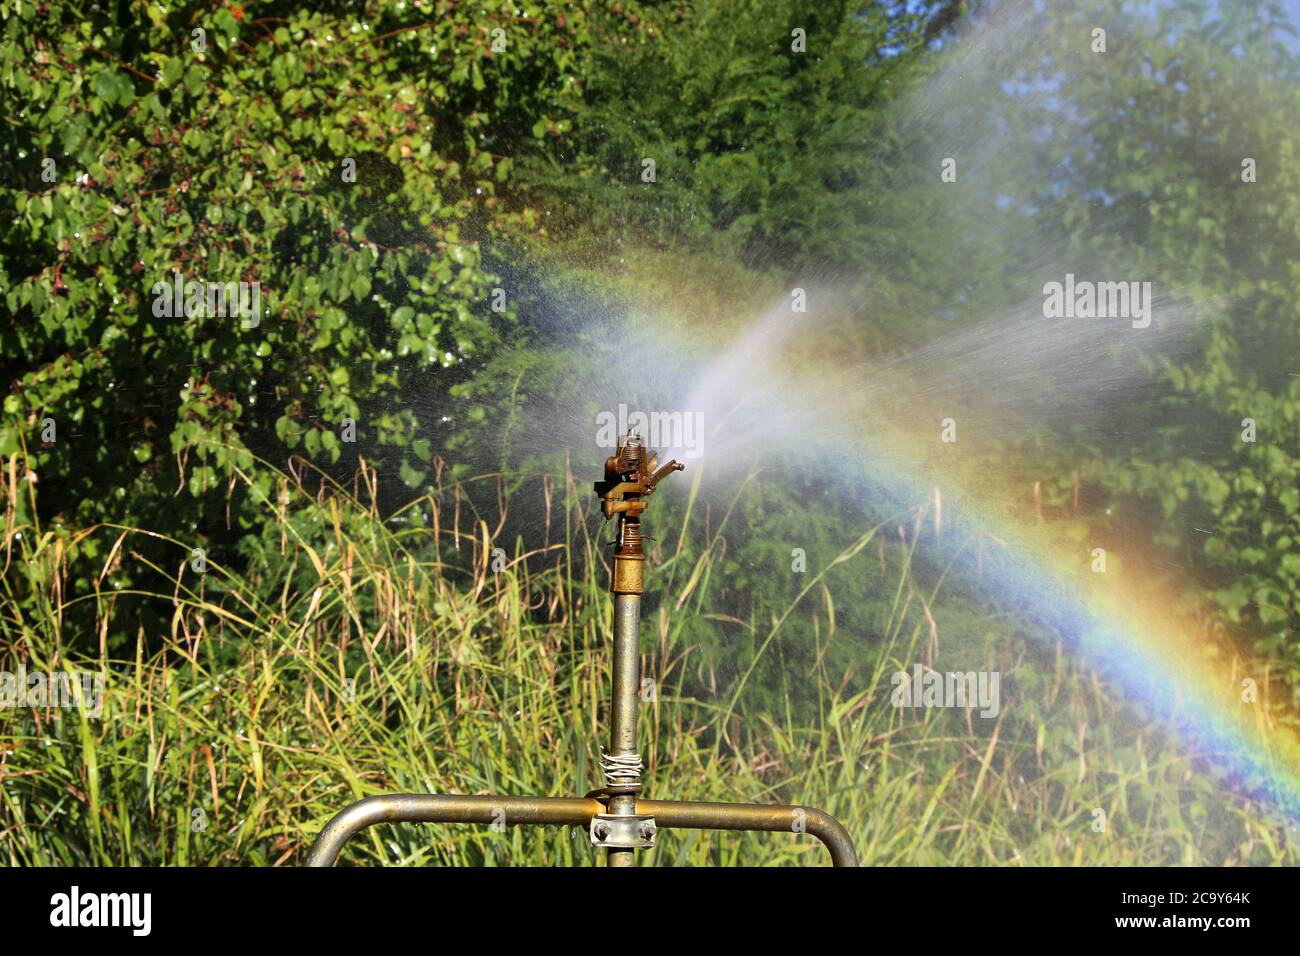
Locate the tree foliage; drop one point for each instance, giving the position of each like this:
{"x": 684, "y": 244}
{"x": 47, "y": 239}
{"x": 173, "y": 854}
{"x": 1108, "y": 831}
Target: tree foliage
{"x": 350, "y": 161}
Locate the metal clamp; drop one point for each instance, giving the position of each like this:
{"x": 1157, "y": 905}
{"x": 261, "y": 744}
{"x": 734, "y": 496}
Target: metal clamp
{"x": 623, "y": 831}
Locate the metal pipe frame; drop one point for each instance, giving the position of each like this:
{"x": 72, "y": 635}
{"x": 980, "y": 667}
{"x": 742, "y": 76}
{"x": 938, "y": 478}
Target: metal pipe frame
{"x": 577, "y": 812}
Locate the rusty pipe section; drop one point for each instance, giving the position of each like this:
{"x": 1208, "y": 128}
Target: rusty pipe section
{"x": 574, "y": 811}
{"x": 446, "y": 808}
{"x": 688, "y": 814}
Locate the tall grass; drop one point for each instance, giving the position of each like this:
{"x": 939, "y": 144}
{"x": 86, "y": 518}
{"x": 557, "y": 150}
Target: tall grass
{"x": 359, "y": 653}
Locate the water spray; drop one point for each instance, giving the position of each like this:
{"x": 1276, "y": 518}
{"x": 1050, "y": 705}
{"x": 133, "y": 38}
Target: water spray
{"x": 615, "y": 816}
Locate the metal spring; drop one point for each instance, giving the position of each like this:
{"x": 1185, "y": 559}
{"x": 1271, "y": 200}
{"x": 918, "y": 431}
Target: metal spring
{"x": 631, "y": 535}
{"x": 633, "y": 451}
{"x": 621, "y": 768}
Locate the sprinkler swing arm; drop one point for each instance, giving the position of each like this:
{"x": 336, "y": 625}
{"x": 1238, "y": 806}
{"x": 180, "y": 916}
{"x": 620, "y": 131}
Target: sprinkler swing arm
{"x": 615, "y": 817}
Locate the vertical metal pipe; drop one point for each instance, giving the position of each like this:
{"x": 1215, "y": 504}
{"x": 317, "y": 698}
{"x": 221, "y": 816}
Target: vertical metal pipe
{"x": 626, "y": 683}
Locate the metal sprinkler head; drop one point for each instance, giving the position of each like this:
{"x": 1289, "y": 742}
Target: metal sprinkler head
{"x": 631, "y": 475}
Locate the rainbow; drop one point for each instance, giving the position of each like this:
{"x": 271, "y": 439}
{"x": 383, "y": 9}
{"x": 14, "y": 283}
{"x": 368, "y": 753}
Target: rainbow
{"x": 1129, "y": 627}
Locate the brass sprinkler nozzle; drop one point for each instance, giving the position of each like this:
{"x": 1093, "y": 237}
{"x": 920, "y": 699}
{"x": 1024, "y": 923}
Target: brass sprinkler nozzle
{"x": 631, "y": 475}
